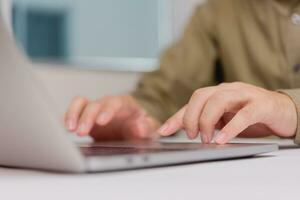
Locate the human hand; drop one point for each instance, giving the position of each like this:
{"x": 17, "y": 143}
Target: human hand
{"x": 110, "y": 118}
{"x": 236, "y": 109}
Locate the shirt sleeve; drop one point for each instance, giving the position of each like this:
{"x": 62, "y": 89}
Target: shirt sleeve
{"x": 186, "y": 66}
{"x": 294, "y": 94}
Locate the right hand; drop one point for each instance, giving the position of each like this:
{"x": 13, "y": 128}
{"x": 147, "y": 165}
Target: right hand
{"x": 110, "y": 119}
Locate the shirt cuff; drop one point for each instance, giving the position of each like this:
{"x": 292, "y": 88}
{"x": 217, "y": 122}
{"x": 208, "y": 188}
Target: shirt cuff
{"x": 294, "y": 94}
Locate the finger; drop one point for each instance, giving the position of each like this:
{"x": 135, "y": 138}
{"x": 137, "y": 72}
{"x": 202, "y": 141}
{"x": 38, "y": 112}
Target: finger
{"x": 153, "y": 125}
{"x": 138, "y": 129}
{"x": 174, "y": 124}
{"x": 101, "y": 112}
{"x": 108, "y": 111}
{"x": 240, "y": 122}
{"x": 88, "y": 118}
{"x": 145, "y": 128}
{"x": 74, "y": 112}
{"x": 194, "y": 109}
{"x": 216, "y": 106}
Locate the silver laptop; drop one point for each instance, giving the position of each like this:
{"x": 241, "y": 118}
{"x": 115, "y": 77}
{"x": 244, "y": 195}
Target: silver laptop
{"x": 31, "y": 135}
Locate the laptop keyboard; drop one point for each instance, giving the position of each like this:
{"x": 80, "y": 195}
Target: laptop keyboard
{"x": 109, "y": 151}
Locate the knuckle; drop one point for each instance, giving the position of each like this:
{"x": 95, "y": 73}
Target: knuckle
{"x": 106, "y": 99}
{"x": 247, "y": 114}
{"x": 111, "y": 100}
{"x": 218, "y": 96}
{"x": 232, "y": 85}
{"x": 223, "y": 84}
{"x": 112, "y": 104}
{"x": 198, "y": 92}
{"x": 93, "y": 105}
{"x": 238, "y": 84}
{"x": 118, "y": 102}
{"x": 125, "y": 97}
{"x": 80, "y": 99}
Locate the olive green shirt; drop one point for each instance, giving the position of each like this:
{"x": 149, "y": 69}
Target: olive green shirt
{"x": 252, "y": 41}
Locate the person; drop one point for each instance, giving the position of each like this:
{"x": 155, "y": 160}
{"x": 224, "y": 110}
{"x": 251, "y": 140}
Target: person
{"x": 236, "y": 69}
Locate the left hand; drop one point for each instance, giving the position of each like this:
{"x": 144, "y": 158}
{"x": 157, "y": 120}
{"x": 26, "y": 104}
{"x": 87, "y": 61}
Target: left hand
{"x": 236, "y": 109}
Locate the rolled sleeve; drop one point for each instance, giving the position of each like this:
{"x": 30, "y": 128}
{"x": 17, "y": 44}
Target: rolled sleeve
{"x": 294, "y": 94}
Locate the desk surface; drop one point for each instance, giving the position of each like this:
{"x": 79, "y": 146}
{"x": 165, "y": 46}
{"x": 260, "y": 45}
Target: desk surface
{"x": 272, "y": 176}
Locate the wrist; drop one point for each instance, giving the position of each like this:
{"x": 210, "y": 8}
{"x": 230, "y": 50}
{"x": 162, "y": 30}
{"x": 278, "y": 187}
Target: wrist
{"x": 288, "y": 115}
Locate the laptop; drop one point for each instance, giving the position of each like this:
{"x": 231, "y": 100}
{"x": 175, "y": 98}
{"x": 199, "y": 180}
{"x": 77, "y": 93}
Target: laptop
{"x": 32, "y": 136}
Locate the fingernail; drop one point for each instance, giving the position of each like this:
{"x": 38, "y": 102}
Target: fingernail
{"x": 163, "y": 130}
{"x": 103, "y": 118}
{"x": 83, "y": 129}
{"x": 71, "y": 125}
{"x": 204, "y": 139}
{"x": 209, "y": 139}
{"x": 221, "y": 137}
{"x": 191, "y": 135}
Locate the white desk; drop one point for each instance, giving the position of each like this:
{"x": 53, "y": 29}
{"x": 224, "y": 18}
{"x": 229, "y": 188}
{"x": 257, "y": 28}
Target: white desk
{"x": 275, "y": 176}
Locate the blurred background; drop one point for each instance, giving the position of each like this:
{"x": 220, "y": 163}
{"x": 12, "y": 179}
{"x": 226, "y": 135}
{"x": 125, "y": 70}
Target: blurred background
{"x": 96, "y": 47}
